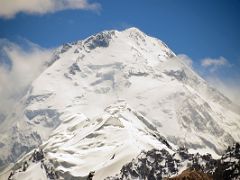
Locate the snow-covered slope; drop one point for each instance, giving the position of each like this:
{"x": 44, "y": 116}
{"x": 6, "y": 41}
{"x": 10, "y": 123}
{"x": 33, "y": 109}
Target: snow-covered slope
{"x": 102, "y": 144}
{"x": 106, "y": 98}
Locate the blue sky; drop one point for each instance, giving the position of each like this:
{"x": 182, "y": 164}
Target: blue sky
{"x": 200, "y": 29}
{"x": 197, "y": 28}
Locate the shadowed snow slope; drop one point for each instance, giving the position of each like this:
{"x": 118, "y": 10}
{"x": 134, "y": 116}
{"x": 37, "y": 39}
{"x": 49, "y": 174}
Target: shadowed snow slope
{"x": 104, "y": 99}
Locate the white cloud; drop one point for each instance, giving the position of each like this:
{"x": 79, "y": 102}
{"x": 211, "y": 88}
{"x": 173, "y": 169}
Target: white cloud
{"x": 25, "y": 66}
{"x": 214, "y": 64}
{"x": 187, "y": 60}
{"x": 229, "y": 87}
{"x": 9, "y": 8}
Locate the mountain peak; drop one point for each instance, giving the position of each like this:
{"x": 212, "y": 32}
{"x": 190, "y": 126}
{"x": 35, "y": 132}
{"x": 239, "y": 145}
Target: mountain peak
{"x": 101, "y": 39}
{"x": 133, "y": 29}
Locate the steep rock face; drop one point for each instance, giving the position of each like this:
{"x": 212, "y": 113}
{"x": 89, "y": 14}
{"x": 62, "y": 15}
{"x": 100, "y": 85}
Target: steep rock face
{"x": 88, "y": 76}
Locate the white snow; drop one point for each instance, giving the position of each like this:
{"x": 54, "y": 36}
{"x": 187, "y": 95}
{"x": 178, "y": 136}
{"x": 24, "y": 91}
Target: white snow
{"x": 34, "y": 172}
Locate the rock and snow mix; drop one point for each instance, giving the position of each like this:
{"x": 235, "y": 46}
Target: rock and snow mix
{"x": 148, "y": 165}
{"x": 160, "y": 164}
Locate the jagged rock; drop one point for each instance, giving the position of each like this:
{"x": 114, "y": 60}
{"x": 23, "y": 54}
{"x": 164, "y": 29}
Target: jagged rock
{"x": 74, "y": 68}
{"x": 99, "y": 40}
{"x": 65, "y": 48}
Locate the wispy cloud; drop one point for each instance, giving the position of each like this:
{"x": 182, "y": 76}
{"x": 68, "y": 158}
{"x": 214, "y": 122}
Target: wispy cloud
{"x": 214, "y": 64}
{"x": 209, "y": 68}
{"x": 187, "y": 60}
{"x": 9, "y": 8}
{"x": 229, "y": 87}
{"x": 18, "y": 68}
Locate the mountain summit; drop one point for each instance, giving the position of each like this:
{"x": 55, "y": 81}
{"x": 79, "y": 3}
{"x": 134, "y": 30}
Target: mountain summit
{"x": 104, "y": 99}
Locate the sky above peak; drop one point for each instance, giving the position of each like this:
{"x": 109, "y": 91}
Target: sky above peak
{"x": 206, "y": 31}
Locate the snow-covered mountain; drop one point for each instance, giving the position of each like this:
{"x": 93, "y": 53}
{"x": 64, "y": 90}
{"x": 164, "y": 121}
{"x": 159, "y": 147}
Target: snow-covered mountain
{"x": 103, "y": 100}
